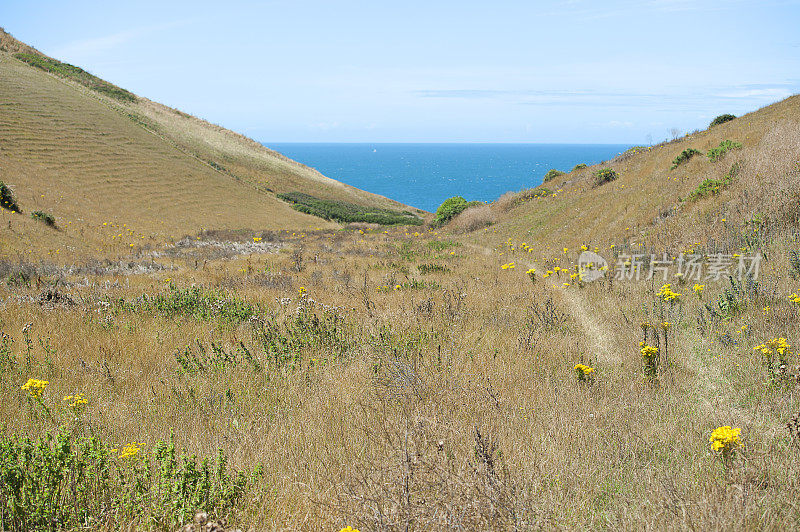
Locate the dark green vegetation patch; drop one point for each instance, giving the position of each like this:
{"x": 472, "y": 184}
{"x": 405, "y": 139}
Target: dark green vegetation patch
{"x": 452, "y": 207}
{"x": 7, "y": 200}
{"x": 715, "y": 154}
{"x": 721, "y": 119}
{"x": 684, "y": 156}
{"x": 44, "y": 217}
{"x": 342, "y": 211}
{"x": 78, "y": 74}
{"x": 552, "y": 174}
{"x": 605, "y": 175}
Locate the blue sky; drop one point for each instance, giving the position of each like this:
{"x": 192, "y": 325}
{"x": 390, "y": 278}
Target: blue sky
{"x": 433, "y": 71}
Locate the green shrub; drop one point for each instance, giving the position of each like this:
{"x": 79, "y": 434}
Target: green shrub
{"x": 77, "y": 74}
{"x": 579, "y": 166}
{"x": 196, "y": 302}
{"x": 605, "y": 175}
{"x": 44, "y": 217}
{"x": 344, "y": 212}
{"x": 721, "y": 119}
{"x": 450, "y": 208}
{"x": 441, "y": 245}
{"x": 715, "y": 154}
{"x": 552, "y": 174}
{"x": 425, "y": 269}
{"x": 684, "y": 156}
{"x": 65, "y": 482}
{"x": 712, "y": 187}
{"x": 7, "y": 200}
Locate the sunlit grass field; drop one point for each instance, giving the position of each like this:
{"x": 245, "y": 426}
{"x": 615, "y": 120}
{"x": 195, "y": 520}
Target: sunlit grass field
{"x": 181, "y": 341}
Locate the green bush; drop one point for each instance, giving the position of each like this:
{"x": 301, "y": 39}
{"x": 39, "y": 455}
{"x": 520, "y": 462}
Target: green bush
{"x": 715, "y": 154}
{"x": 425, "y": 269}
{"x": 344, "y": 212}
{"x": 721, "y": 119}
{"x": 450, "y": 208}
{"x": 605, "y": 175}
{"x": 712, "y": 187}
{"x": 77, "y": 74}
{"x": 64, "y": 482}
{"x": 552, "y": 174}
{"x": 196, "y": 302}
{"x": 684, "y": 156}
{"x": 44, "y": 217}
{"x": 7, "y": 200}
{"x": 579, "y": 166}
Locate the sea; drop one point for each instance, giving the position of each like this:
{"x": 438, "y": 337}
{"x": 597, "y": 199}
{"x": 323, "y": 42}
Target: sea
{"x": 424, "y": 175}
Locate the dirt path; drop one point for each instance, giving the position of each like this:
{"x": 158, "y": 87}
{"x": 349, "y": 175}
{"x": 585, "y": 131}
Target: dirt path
{"x": 598, "y": 338}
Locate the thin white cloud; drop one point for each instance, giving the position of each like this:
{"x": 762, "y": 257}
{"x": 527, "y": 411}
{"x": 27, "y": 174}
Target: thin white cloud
{"x": 98, "y": 45}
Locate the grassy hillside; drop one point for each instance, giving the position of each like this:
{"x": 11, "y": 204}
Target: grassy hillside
{"x": 469, "y": 377}
{"x": 90, "y": 153}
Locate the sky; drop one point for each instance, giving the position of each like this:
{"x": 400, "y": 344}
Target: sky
{"x": 570, "y": 71}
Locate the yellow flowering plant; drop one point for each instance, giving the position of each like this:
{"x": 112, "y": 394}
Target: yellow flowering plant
{"x": 669, "y": 295}
{"x": 650, "y": 359}
{"x": 698, "y": 289}
{"x": 725, "y": 441}
{"x": 76, "y": 402}
{"x": 584, "y": 373}
{"x": 35, "y": 388}
{"x": 130, "y": 450}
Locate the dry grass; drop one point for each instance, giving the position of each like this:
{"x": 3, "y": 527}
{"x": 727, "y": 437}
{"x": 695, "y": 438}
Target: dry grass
{"x": 473, "y": 219}
{"x": 386, "y": 399}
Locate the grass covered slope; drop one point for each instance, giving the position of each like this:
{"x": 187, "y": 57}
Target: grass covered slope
{"x": 67, "y": 153}
{"x": 648, "y": 202}
{"x": 88, "y": 152}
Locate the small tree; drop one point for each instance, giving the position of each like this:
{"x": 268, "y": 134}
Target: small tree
{"x": 721, "y": 119}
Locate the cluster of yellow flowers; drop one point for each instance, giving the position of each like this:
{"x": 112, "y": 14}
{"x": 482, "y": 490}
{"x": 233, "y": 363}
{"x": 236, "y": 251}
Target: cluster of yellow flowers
{"x": 130, "y": 450}
{"x": 532, "y": 274}
{"x": 584, "y": 373}
{"x": 648, "y": 351}
{"x": 776, "y": 345}
{"x": 348, "y": 528}
{"x": 256, "y": 239}
{"x": 668, "y": 294}
{"x": 698, "y": 289}
{"x": 795, "y": 298}
{"x": 509, "y": 266}
{"x": 725, "y": 439}
{"x": 35, "y": 387}
{"x": 76, "y": 402}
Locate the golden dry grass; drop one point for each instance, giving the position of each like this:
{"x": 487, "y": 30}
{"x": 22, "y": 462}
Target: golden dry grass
{"x": 405, "y": 380}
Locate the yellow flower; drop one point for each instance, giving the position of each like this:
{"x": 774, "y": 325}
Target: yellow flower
{"x": 584, "y": 373}
{"x": 648, "y": 351}
{"x": 348, "y": 528}
{"x": 35, "y": 387}
{"x": 725, "y": 439}
{"x": 76, "y": 402}
{"x": 256, "y": 239}
{"x": 698, "y": 289}
{"x": 130, "y": 450}
{"x": 668, "y": 294}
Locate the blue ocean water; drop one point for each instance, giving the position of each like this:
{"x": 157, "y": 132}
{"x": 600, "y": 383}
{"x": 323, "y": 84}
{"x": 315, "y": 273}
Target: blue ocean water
{"x": 424, "y": 175}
